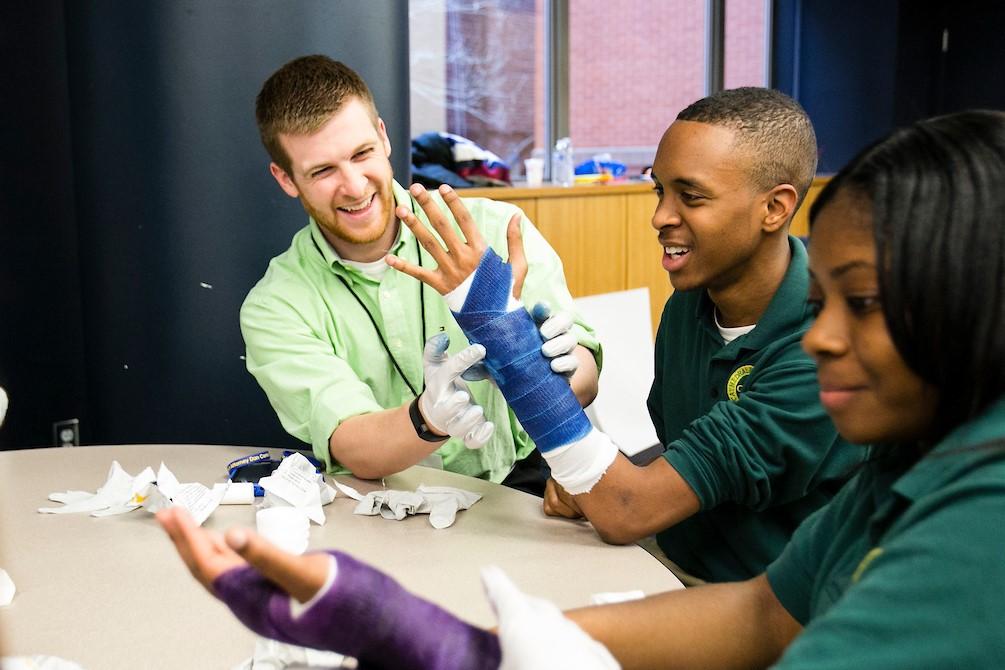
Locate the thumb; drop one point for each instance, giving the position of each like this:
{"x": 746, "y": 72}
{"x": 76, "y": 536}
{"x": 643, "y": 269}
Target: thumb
{"x": 436, "y": 348}
{"x": 506, "y": 599}
{"x": 300, "y": 576}
{"x": 540, "y": 313}
{"x": 517, "y": 257}
{"x": 463, "y": 360}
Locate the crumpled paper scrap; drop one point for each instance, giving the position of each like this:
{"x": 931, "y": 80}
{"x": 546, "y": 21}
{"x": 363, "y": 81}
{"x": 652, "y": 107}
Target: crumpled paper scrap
{"x": 273, "y": 655}
{"x": 123, "y": 493}
{"x": 116, "y": 496}
{"x": 7, "y": 589}
{"x": 441, "y": 503}
{"x": 167, "y": 491}
{"x": 297, "y": 483}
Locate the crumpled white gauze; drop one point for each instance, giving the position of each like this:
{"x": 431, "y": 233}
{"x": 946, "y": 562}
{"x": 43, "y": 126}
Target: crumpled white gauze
{"x": 7, "y": 589}
{"x": 533, "y": 633}
{"x": 116, "y": 496}
{"x": 297, "y": 483}
{"x": 167, "y": 491}
{"x": 441, "y": 503}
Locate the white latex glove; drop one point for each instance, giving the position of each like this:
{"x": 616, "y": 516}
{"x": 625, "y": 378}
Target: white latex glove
{"x": 441, "y": 503}
{"x": 559, "y": 343}
{"x": 3, "y": 405}
{"x": 116, "y": 496}
{"x": 533, "y": 633}
{"x": 446, "y": 403}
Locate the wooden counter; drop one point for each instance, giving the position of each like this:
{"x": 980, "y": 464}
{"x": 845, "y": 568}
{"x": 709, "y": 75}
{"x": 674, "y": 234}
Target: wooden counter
{"x": 602, "y": 233}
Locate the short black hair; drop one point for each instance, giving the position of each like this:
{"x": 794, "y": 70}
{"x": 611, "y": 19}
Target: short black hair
{"x": 772, "y": 126}
{"x": 937, "y": 192}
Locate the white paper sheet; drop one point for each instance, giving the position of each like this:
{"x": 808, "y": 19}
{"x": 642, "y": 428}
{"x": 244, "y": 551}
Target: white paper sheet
{"x": 297, "y": 483}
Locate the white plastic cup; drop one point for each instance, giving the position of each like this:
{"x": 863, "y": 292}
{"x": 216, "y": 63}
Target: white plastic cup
{"x": 534, "y": 169}
{"x": 286, "y": 527}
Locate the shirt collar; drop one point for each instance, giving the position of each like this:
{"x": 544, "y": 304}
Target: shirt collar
{"x": 954, "y": 454}
{"x": 787, "y": 311}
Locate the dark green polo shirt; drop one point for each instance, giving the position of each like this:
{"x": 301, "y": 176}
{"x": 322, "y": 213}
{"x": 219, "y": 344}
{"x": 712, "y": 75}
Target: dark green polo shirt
{"x": 743, "y": 425}
{"x": 905, "y": 569}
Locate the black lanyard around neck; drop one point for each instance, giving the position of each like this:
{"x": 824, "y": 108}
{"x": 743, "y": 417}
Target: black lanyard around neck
{"x": 380, "y": 335}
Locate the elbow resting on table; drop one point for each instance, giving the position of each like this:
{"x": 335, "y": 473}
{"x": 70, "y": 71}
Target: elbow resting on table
{"x": 621, "y": 533}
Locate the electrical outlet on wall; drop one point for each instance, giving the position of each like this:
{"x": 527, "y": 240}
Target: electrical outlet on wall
{"x": 66, "y": 433}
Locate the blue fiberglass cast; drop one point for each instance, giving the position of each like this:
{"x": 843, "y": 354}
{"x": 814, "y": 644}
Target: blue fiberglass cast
{"x": 541, "y": 399}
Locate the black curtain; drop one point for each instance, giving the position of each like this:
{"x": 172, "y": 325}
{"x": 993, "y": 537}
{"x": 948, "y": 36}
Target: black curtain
{"x": 138, "y": 210}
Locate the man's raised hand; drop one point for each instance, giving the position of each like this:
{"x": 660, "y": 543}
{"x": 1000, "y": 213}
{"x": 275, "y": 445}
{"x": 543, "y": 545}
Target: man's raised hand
{"x": 459, "y": 255}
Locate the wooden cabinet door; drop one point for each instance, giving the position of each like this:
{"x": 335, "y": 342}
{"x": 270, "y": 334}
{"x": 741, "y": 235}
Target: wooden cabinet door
{"x": 644, "y": 254}
{"x": 588, "y": 233}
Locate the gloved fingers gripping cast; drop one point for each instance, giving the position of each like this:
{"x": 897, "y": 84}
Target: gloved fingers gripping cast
{"x": 446, "y": 402}
{"x": 559, "y": 343}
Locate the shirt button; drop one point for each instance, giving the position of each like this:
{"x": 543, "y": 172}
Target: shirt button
{"x": 396, "y": 343}
{"x": 386, "y": 295}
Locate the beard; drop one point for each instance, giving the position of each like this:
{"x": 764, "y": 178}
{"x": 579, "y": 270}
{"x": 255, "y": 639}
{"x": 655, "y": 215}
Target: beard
{"x": 329, "y": 223}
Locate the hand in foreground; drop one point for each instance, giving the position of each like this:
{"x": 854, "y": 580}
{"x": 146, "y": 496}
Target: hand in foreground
{"x": 462, "y": 255}
{"x": 362, "y": 613}
{"x": 209, "y": 555}
{"x": 558, "y": 502}
{"x": 533, "y": 633}
{"x": 446, "y": 402}
{"x": 559, "y": 343}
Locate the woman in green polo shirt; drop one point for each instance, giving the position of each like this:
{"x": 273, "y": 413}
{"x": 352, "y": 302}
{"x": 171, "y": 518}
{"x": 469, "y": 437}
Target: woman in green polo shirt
{"x": 905, "y": 568}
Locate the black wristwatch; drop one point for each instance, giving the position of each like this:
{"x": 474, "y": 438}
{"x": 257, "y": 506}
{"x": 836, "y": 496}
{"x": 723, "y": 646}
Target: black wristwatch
{"x": 421, "y": 427}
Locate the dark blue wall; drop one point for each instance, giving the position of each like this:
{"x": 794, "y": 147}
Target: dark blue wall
{"x": 145, "y": 210}
{"x": 862, "y": 68}
{"x": 838, "y": 59}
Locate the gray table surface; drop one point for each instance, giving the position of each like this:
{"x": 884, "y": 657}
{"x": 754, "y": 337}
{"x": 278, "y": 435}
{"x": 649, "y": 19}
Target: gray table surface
{"x": 112, "y": 593}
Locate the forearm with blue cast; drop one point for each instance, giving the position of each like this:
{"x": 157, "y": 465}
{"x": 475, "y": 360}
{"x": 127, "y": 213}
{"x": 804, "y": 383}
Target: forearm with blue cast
{"x": 542, "y": 400}
{"x": 363, "y": 613}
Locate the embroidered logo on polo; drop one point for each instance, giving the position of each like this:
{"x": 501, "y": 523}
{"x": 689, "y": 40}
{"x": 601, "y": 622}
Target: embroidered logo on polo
{"x": 873, "y": 554}
{"x": 734, "y": 387}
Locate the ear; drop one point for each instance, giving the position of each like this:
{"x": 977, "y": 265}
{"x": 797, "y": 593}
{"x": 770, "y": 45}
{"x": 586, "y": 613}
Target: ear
{"x": 780, "y": 205}
{"x": 284, "y": 180}
{"x": 382, "y": 130}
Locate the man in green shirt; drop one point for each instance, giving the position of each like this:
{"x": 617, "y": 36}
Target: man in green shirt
{"x": 749, "y": 451}
{"x": 336, "y": 340}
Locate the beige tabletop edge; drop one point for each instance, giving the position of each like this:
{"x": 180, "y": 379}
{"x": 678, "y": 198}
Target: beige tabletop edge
{"x": 111, "y": 592}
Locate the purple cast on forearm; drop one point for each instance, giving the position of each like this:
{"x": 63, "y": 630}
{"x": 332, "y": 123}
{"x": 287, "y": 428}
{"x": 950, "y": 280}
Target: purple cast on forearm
{"x": 364, "y": 614}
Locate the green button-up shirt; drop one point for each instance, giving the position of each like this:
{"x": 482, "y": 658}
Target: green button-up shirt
{"x": 319, "y": 358}
{"x": 905, "y": 569}
{"x": 743, "y": 425}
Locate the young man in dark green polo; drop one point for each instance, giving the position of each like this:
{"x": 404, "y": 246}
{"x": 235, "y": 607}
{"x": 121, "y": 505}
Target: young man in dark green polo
{"x": 749, "y": 451}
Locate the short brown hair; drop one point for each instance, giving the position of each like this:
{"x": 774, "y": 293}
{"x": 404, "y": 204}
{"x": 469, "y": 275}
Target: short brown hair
{"x": 773, "y": 127}
{"x": 302, "y": 96}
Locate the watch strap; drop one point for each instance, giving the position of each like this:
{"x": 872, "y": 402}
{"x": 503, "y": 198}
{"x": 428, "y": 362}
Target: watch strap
{"x": 422, "y": 428}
